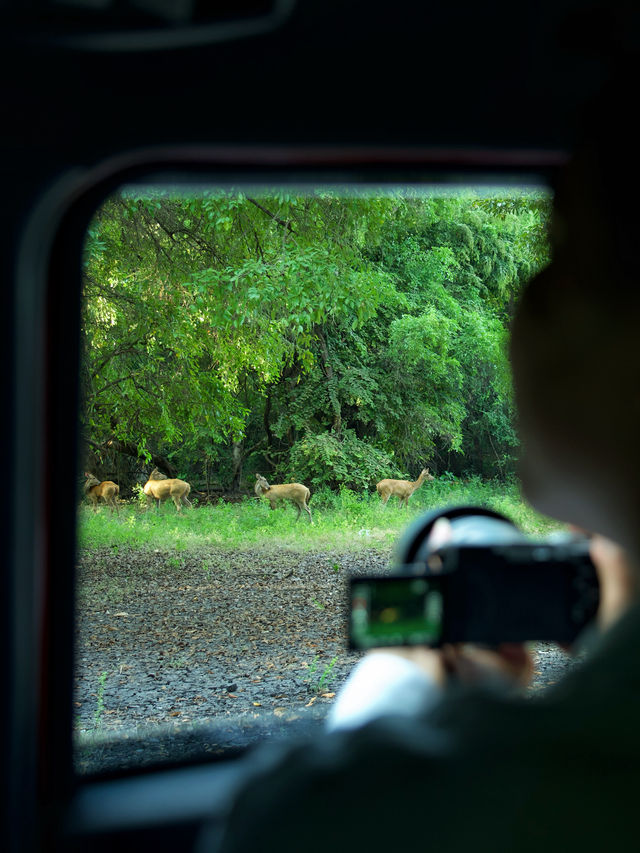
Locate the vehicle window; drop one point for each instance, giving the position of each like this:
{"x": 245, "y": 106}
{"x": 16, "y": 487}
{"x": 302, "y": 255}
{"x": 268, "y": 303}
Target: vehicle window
{"x": 255, "y": 361}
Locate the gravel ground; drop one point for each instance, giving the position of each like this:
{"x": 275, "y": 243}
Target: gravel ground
{"x": 184, "y": 654}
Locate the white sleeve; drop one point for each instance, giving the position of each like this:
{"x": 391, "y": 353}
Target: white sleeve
{"x": 382, "y": 683}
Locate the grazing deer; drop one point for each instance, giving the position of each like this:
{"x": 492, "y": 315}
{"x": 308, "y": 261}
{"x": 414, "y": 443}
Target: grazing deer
{"x": 295, "y": 492}
{"x": 107, "y": 490}
{"x": 403, "y": 489}
{"x": 160, "y": 488}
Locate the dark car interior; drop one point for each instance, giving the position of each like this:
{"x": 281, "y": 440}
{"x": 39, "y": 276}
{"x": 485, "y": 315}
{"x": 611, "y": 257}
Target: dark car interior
{"x": 98, "y": 95}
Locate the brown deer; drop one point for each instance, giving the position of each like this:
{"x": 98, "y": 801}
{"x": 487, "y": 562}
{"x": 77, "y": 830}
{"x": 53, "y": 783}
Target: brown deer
{"x": 295, "y": 492}
{"x": 107, "y": 490}
{"x": 160, "y": 488}
{"x": 402, "y": 489}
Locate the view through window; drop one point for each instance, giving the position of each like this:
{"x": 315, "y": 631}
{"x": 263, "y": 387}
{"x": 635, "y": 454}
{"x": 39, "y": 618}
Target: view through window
{"x": 259, "y": 361}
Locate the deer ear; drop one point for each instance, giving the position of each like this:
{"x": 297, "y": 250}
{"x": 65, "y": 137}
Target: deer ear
{"x": 257, "y": 476}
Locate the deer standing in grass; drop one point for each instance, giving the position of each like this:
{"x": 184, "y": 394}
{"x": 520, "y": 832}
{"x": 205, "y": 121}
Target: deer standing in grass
{"x": 107, "y": 490}
{"x": 402, "y": 489}
{"x": 295, "y": 492}
{"x": 160, "y": 488}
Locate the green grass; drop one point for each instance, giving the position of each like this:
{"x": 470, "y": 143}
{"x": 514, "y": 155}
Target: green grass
{"x": 342, "y": 520}
{"x": 321, "y": 683}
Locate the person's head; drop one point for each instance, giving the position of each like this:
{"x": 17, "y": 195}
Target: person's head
{"x": 575, "y": 349}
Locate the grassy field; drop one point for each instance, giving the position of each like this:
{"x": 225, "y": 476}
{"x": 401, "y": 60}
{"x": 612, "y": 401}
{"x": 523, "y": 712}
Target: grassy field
{"x": 343, "y": 521}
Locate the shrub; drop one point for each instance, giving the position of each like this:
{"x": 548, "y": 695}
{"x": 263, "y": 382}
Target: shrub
{"x": 339, "y": 461}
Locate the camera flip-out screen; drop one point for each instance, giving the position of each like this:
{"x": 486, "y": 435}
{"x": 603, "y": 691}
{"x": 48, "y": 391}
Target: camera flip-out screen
{"x": 393, "y": 611}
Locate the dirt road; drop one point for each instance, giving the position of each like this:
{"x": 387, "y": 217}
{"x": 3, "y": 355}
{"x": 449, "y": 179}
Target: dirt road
{"x": 183, "y": 653}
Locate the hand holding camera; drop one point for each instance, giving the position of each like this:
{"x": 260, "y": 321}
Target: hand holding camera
{"x": 469, "y": 584}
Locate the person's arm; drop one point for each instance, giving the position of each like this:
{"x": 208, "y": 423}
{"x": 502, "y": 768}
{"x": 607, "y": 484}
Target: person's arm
{"x": 398, "y": 681}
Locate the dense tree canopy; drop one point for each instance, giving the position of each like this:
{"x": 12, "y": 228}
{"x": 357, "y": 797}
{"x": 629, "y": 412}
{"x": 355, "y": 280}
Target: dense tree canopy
{"x": 325, "y": 337}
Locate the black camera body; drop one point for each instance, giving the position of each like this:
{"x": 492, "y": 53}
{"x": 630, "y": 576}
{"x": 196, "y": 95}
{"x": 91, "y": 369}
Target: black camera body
{"x": 489, "y": 585}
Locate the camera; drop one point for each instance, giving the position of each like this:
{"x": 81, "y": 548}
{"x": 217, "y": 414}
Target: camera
{"x": 489, "y": 584}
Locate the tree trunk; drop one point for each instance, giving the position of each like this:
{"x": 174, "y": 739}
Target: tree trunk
{"x": 327, "y": 369}
{"x": 266, "y": 415}
{"x": 237, "y": 457}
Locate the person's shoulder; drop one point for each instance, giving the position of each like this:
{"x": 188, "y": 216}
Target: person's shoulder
{"x": 366, "y": 781}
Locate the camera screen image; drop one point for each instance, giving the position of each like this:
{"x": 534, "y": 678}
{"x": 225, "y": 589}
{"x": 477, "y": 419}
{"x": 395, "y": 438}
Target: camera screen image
{"x": 395, "y": 611}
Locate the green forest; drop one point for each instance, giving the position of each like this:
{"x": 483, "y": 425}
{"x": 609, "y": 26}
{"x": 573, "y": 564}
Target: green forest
{"x": 323, "y": 337}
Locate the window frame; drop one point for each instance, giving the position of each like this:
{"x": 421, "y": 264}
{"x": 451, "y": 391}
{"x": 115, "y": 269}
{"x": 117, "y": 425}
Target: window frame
{"x": 55, "y": 805}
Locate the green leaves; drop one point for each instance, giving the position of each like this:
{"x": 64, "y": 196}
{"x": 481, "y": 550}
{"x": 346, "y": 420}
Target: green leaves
{"x": 325, "y": 459}
{"x": 360, "y": 328}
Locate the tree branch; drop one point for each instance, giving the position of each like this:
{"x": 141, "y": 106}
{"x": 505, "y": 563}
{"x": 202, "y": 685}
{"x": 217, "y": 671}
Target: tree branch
{"x": 275, "y": 218}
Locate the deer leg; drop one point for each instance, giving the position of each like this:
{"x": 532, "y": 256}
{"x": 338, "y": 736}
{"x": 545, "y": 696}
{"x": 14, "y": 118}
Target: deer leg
{"x": 309, "y": 513}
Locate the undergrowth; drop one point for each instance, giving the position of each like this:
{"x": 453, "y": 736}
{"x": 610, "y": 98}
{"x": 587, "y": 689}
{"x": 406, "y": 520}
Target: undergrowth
{"x": 341, "y": 520}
